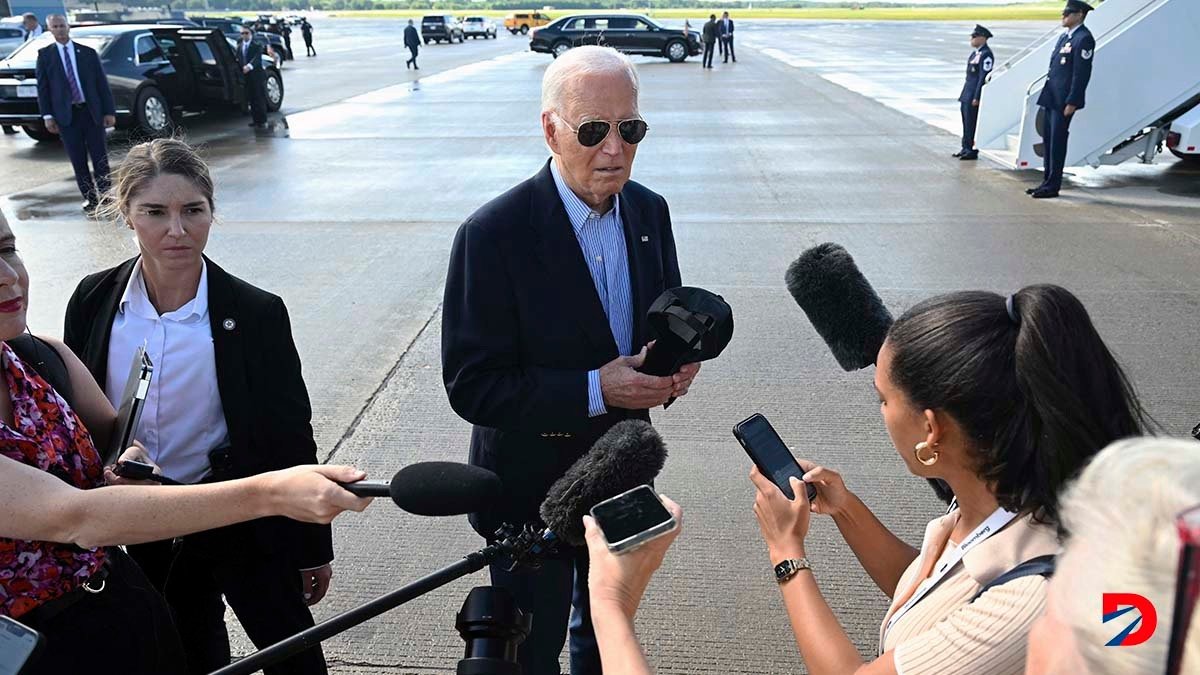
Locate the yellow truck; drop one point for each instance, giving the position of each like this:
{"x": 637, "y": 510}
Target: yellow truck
{"x": 522, "y": 22}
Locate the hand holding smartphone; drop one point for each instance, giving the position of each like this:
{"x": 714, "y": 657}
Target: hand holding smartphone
{"x": 760, "y": 440}
{"x": 20, "y": 646}
{"x": 633, "y": 518}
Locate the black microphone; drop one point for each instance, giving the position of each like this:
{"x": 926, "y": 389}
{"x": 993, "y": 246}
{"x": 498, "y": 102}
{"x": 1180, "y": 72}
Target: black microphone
{"x": 630, "y": 454}
{"x": 436, "y": 488}
{"x": 840, "y": 303}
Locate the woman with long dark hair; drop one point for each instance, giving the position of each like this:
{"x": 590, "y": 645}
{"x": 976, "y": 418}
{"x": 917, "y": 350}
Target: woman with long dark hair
{"x": 1004, "y": 399}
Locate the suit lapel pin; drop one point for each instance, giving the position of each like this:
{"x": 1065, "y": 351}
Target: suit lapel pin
{"x": 229, "y": 324}
{"x": 645, "y": 239}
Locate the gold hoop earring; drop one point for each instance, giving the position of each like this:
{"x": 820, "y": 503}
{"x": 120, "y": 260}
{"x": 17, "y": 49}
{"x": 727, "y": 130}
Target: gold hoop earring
{"x": 922, "y": 446}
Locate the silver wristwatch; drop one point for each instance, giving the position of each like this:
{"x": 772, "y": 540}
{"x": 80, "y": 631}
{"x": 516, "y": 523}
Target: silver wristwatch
{"x": 788, "y": 568}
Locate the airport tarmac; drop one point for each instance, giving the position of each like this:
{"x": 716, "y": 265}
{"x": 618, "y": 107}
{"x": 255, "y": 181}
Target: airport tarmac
{"x": 347, "y": 209}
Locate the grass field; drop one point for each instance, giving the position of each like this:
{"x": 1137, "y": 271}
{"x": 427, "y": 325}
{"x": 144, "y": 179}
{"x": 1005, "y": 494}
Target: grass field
{"x": 1036, "y": 12}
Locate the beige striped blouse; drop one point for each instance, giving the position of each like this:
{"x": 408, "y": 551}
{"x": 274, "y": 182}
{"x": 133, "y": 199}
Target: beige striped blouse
{"x": 947, "y": 634}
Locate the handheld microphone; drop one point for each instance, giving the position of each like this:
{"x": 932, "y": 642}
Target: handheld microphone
{"x": 630, "y": 454}
{"x": 435, "y": 488}
{"x": 840, "y": 303}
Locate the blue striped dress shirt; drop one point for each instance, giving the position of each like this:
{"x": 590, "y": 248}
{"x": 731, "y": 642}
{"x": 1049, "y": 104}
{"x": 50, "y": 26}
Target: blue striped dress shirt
{"x": 602, "y": 239}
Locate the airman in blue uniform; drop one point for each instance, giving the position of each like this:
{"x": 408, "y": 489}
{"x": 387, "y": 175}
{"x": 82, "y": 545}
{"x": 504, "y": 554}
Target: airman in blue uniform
{"x": 979, "y": 66}
{"x": 1063, "y": 94}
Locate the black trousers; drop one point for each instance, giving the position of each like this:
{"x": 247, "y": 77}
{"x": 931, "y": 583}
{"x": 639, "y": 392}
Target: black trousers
{"x": 84, "y": 138}
{"x": 708, "y": 55}
{"x": 287, "y": 42}
{"x": 970, "y": 119}
{"x": 256, "y": 94}
{"x": 263, "y": 591}
{"x": 126, "y": 629}
{"x": 308, "y": 48}
{"x": 413, "y": 50}
{"x": 1054, "y": 147}
{"x": 727, "y": 48}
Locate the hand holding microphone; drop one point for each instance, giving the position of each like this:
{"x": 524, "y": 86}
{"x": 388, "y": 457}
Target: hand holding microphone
{"x": 311, "y": 493}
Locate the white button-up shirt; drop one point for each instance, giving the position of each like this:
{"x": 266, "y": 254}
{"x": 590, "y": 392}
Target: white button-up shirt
{"x": 182, "y": 418}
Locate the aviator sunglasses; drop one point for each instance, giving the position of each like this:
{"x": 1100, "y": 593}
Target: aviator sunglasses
{"x": 593, "y": 132}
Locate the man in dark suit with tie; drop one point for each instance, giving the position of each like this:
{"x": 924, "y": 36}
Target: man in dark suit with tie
{"x": 543, "y": 325}
{"x": 250, "y": 58}
{"x": 76, "y": 104}
{"x": 1063, "y": 94}
{"x": 725, "y": 30}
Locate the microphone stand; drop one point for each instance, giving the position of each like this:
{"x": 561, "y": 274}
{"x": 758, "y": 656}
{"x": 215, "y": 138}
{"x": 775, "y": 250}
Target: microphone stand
{"x": 523, "y": 546}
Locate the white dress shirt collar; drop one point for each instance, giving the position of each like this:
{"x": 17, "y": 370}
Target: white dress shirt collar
{"x": 578, "y": 212}
{"x": 136, "y": 298}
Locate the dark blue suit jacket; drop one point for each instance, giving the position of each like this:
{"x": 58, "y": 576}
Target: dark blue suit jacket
{"x": 54, "y": 91}
{"x": 1070, "y": 71}
{"x": 977, "y": 72}
{"x": 522, "y": 325}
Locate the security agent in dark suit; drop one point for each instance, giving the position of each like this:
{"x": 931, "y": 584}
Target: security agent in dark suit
{"x": 708, "y": 34}
{"x": 228, "y": 400}
{"x": 1063, "y": 94}
{"x": 979, "y": 66}
{"x": 250, "y": 59}
{"x": 412, "y": 40}
{"x": 543, "y": 325}
{"x": 725, "y": 30}
{"x": 77, "y": 104}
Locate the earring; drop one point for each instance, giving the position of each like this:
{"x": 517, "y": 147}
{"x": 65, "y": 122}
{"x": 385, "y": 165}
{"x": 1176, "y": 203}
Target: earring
{"x": 921, "y": 447}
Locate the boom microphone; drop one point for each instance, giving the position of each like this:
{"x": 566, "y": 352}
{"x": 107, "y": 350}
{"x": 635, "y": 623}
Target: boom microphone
{"x": 630, "y": 454}
{"x": 840, "y": 303}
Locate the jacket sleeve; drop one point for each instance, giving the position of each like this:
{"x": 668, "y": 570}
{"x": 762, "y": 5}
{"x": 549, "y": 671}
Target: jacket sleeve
{"x": 488, "y": 382}
{"x": 107, "y": 106}
{"x": 286, "y": 414}
{"x": 75, "y": 325}
{"x": 1081, "y": 71}
{"x": 45, "y": 106}
{"x": 985, "y": 68}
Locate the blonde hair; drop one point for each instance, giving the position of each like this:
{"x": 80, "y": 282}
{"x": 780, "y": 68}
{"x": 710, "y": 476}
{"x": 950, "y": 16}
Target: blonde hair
{"x": 579, "y": 62}
{"x": 1121, "y": 518}
{"x": 147, "y": 161}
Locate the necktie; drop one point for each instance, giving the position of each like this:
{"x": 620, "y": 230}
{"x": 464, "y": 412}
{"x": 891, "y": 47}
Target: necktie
{"x": 76, "y": 92}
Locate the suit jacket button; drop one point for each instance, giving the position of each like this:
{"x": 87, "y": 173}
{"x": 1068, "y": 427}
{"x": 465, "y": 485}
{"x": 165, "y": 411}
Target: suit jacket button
{"x": 544, "y": 434}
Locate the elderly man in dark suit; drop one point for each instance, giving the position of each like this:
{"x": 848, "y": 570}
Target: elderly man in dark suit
{"x": 543, "y": 325}
{"x": 249, "y": 53}
{"x": 76, "y": 104}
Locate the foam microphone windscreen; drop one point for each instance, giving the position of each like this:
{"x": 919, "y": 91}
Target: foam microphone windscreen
{"x": 445, "y": 489}
{"x": 630, "y": 454}
{"x": 840, "y": 303}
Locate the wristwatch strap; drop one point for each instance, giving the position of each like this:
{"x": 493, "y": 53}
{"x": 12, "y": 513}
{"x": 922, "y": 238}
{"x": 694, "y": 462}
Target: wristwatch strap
{"x": 788, "y": 568}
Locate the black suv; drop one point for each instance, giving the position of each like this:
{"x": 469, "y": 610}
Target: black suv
{"x": 156, "y": 73}
{"x": 629, "y": 33}
{"x": 438, "y": 27}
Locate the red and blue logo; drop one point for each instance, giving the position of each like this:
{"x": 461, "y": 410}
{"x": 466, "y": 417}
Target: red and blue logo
{"x": 1140, "y": 629}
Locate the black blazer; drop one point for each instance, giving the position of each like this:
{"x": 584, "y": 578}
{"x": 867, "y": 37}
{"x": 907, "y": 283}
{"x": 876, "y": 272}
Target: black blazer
{"x": 522, "y": 325}
{"x": 258, "y": 376}
{"x": 54, "y": 90}
{"x": 254, "y": 54}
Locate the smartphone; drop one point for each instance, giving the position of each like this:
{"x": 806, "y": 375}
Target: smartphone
{"x": 19, "y": 645}
{"x": 770, "y": 455}
{"x": 633, "y": 518}
{"x": 141, "y": 471}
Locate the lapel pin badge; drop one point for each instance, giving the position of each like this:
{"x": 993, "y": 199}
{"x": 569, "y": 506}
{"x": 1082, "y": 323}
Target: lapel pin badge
{"x": 229, "y": 324}
{"x": 645, "y": 239}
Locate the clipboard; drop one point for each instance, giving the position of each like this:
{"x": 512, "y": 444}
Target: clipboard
{"x": 141, "y": 369}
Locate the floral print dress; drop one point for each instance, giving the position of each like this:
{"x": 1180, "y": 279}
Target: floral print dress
{"x": 48, "y": 435}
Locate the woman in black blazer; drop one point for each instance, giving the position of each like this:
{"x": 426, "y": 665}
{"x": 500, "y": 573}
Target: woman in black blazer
{"x": 227, "y": 400}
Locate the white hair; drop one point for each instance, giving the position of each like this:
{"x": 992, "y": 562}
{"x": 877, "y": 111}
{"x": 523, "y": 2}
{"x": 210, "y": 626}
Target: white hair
{"x": 1120, "y": 516}
{"x": 579, "y": 62}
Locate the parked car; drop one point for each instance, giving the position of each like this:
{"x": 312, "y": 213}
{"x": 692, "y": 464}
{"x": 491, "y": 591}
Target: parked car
{"x": 523, "y": 22}
{"x": 10, "y": 39}
{"x": 232, "y": 28}
{"x": 628, "y": 33}
{"x": 157, "y": 73}
{"x": 479, "y": 26}
{"x": 438, "y": 27}
{"x": 1183, "y": 138}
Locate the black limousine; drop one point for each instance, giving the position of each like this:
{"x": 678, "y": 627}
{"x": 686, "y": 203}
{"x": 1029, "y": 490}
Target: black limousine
{"x": 157, "y": 73}
{"x": 628, "y": 33}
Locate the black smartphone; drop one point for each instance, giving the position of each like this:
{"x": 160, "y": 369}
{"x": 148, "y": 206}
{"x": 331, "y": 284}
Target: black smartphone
{"x": 19, "y": 645}
{"x": 770, "y": 455}
{"x": 633, "y": 518}
{"x": 140, "y": 471}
